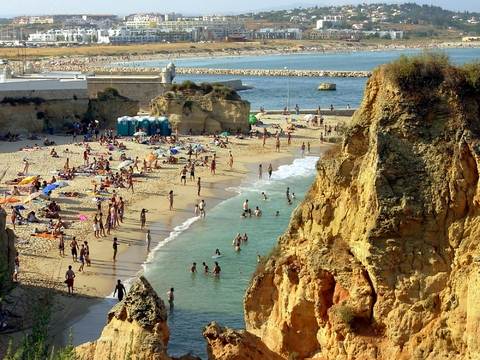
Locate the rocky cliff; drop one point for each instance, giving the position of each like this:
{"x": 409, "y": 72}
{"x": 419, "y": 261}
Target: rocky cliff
{"x": 7, "y": 253}
{"x": 33, "y": 115}
{"x": 136, "y": 329}
{"x": 203, "y": 108}
{"x": 381, "y": 261}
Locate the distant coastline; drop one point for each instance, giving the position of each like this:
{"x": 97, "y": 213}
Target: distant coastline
{"x": 88, "y": 59}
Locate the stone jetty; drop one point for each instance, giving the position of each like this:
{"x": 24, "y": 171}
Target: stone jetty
{"x": 243, "y": 72}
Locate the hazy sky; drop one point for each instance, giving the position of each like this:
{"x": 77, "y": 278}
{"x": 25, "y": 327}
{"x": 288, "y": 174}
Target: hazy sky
{"x": 123, "y": 7}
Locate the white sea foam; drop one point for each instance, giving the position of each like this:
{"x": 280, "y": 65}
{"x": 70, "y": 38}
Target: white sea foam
{"x": 301, "y": 167}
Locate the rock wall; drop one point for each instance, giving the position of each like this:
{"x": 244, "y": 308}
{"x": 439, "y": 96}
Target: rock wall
{"x": 59, "y": 115}
{"x": 7, "y": 253}
{"x": 135, "y": 326}
{"x": 203, "y": 113}
{"x": 136, "y": 329}
{"x": 381, "y": 259}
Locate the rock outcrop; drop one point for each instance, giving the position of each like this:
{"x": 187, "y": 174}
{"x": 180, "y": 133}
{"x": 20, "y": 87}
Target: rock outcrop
{"x": 136, "y": 329}
{"x": 381, "y": 261}
{"x": 7, "y": 253}
{"x": 34, "y": 115}
{"x": 203, "y": 109}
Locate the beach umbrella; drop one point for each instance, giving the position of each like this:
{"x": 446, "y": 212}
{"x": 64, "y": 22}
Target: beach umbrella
{"x": 309, "y": 117}
{"x": 32, "y": 196}
{"x": 173, "y": 151}
{"x": 49, "y": 188}
{"x": 61, "y": 184}
{"x": 27, "y": 180}
{"x": 140, "y": 133}
{"x": 9, "y": 200}
{"x": 151, "y": 157}
{"x": 124, "y": 164}
{"x": 252, "y": 119}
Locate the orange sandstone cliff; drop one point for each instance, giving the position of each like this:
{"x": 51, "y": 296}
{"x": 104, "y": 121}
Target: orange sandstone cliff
{"x": 381, "y": 261}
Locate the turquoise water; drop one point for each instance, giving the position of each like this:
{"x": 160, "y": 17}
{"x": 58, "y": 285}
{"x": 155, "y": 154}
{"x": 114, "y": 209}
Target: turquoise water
{"x": 271, "y": 92}
{"x": 201, "y": 298}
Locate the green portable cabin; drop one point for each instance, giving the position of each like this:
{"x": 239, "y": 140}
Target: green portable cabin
{"x": 123, "y": 124}
{"x": 144, "y": 124}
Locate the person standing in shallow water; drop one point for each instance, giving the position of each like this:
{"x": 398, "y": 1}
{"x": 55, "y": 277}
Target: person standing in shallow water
{"x": 148, "y": 239}
{"x": 170, "y": 200}
{"x": 120, "y": 290}
{"x": 115, "y": 249}
{"x": 143, "y": 218}
{"x": 270, "y": 170}
{"x": 260, "y": 170}
{"x": 171, "y": 298}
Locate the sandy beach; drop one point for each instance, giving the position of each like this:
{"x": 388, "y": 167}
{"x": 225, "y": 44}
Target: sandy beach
{"x": 42, "y": 268}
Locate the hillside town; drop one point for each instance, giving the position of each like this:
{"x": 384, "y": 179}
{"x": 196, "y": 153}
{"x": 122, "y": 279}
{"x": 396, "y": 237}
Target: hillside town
{"x": 348, "y": 22}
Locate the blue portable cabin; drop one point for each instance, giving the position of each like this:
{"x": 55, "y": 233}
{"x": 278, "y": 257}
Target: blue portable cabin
{"x": 132, "y": 125}
{"x": 144, "y": 124}
{"x": 123, "y": 124}
{"x": 165, "y": 128}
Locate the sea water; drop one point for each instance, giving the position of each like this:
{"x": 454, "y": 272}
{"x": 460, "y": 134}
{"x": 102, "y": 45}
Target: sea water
{"x": 278, "y": 92}
{"x": 201, "y": 298}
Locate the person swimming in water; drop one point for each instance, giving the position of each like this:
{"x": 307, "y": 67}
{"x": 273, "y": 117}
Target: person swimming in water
{"x": 277, "y": 213}
{"x": 245, "y": 237}
{"x": 264, "y": 196}
{"x": 217, "y": 252}
{"x": 216, "y": 269}
{"x": 193, "y": 269}
{"x": 205, "y": 268}
{"x": 258, "y": 212}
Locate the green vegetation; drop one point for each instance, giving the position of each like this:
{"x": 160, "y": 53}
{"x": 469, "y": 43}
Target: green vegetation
{"x": 191, "y": 88}
{"x": 430, "y": 70}
{"x": 346, "y": 315}
{"x": 35, "y": 344}
{"x": 109, "y": 94}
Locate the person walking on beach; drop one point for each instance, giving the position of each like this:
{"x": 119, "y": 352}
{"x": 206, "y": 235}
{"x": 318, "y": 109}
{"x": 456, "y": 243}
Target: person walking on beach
{"x": 308, "y": 147}
{"x": 115, "y": 249}
{"x": 119, "y": 290}
{"x": 213, "y": 166}
{"x": 264, "y": 141}
{"x": 73, "y": 248}
{"x": 148, "y": 240}
{"x": 82, "y": 258}
{"x": 121, "y": 209}
{"x": 87, "y": 253}
{"x": 130, "y": 183}
{"x": 183, "y": 176}
{"x": 69, "y": 276}
{"x": 303, "y": 149}
{"x": 13, "y": 216}
{"x": 192, "y": 171}
{"x": 270, "y": 170}
{"x": 260, "y": 170}
{"x": 143, "y": 218}
{"x": 230, "y": 159}
{"x": 61, "y": 245}
{"x": 170, "y": 200}
{"x": 26, "y": 164}
{"x": 201, "y": 208}
{"x": 171, "y": 297}
{"x": 100, "y": 225}
{"x": 289, "y": 138}
{"x": 199, "y": 186}
{"x": 277, "y": 144}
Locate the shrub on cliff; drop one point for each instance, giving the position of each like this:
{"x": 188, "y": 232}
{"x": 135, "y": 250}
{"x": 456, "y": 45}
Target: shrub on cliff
{"x": 425, "y": 71}
{"x": 109, "y": 94}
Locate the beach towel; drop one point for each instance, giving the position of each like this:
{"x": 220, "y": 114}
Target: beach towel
{"x": 9, "y": 200}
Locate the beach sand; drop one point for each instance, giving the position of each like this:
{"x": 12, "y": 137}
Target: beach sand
{"x": 42, "y": 269}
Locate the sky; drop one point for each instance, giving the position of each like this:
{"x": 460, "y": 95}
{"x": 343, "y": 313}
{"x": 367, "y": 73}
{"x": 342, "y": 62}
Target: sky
{"x": 187, "y": 7}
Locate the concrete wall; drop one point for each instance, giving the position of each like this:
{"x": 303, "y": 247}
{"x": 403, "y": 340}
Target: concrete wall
{"x": 46, "y": 94}
{"x": 140, "y": 89}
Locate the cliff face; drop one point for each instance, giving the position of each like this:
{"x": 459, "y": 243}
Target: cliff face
{"x": 381, "y": 259}
{"x": 136, "y": 326}
{"x": 7, "y": 253}
{"x": 59, "y": 115}
{"x": 200, "y": 112}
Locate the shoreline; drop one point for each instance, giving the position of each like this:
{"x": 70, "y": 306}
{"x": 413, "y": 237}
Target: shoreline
{"x": 169, "y": 226}
{"x": 90, "y": 62}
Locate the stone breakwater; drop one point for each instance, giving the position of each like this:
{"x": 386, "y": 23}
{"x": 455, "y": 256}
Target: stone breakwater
{"x": 242, "y": 72}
